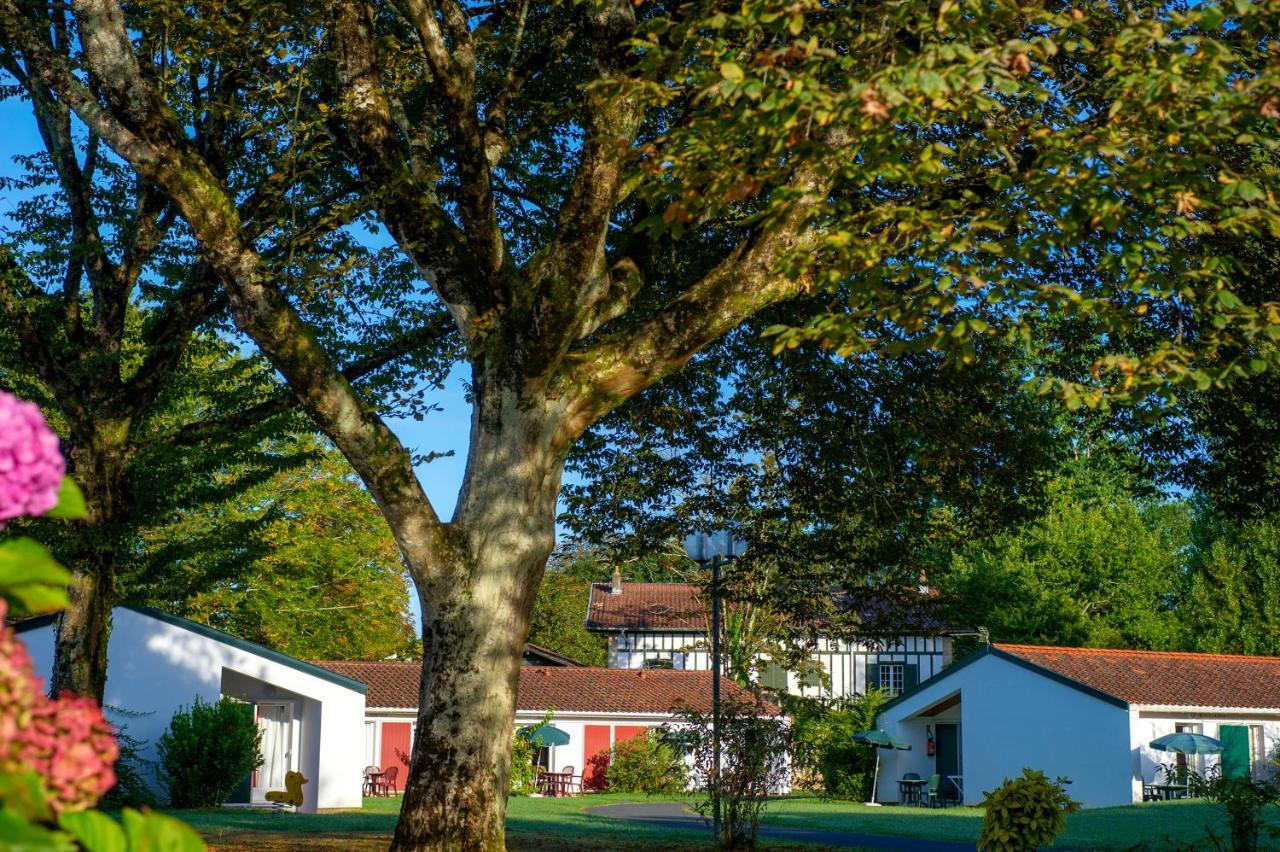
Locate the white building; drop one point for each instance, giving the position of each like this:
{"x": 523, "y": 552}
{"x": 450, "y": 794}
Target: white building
{"x": 664, "y": 626}
{"x": 159, "y": 663}
{"x": 596, "y": 707}
{"x": 1083, "y": 713}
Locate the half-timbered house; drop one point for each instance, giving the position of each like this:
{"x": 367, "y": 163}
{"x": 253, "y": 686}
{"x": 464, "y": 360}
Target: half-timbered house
{"x": 665, "y": 626}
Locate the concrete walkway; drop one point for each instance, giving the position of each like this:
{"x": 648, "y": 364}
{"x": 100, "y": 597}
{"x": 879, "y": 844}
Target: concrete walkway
{"x": 675, "y": 815}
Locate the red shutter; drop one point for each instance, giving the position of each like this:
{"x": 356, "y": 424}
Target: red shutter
{"x": 595, "y": 751}
{"x": 626, "y": 732}
{"x": 395, "y": 736}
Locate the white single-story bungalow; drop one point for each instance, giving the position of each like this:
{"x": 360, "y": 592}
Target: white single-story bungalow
{"x": 158, "y": 663}
{"x": 596, "y": 707}
{"x": 1083, "y": 713}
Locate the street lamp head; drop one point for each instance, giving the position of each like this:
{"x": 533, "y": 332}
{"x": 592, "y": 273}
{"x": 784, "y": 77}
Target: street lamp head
{"x": 722, "y": 545}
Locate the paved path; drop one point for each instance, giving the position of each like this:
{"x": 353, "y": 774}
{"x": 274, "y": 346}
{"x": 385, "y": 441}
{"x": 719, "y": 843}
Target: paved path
{"x": 674, "y": 815}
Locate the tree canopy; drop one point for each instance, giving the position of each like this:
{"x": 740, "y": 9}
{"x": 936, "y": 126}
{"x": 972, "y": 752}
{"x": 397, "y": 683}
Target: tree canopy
{"x": 595, "y": 192}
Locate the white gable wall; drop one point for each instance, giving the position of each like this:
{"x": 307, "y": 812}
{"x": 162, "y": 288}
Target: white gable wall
{"x": 156, "y": 667}
{"x": 1011, "y": 717}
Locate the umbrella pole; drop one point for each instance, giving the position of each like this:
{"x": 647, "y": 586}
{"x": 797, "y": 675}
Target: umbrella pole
{"x": 875, "y": 781}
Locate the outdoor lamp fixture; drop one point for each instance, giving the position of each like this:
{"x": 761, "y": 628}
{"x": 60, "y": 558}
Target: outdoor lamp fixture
{"x": 714, "y": 551}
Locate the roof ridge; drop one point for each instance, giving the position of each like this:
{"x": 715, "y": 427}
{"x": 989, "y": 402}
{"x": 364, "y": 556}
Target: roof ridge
{"x": 1069, "y": 649}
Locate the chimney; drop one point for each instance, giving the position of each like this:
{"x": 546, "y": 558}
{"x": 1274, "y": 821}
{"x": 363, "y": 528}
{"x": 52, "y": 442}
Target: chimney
{"x": 615, "y": 585}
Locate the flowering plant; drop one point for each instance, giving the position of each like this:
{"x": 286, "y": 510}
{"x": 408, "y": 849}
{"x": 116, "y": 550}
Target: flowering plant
{"x": 57, "y": 755}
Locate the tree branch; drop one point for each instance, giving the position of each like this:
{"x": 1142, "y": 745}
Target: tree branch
{"x": 620, "y": 365}
{"x": 406, "y": 202}
{"x": 14, "y": 287}
{"x": 140, "y": 129}
{"x": 432, "y": 332}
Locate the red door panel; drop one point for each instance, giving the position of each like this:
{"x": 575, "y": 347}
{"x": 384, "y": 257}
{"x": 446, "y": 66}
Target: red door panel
{"x": 626, "y": 732}
{"x": 395, "y": 737}
{"x": 595, "y": 751}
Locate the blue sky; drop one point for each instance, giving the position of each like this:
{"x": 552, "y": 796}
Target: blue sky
{"x": 440, "y": 432}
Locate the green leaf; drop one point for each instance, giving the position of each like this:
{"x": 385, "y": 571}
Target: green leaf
{"x": 95, "y": 831}
{"x": 732, "y": 72}
{"x": 23, "y": 794}
{"x": 70, "y": 502}
{"x": 18, "y": 835}
{"x": 30, "y": 578}
{"x": 149, "y": 831}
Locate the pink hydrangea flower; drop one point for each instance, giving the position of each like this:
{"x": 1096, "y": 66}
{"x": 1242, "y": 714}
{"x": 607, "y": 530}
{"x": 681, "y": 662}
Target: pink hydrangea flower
{"x": 73, "y": 748}
{"x": 19, "y": 690}
{"x": 31, "y": 465}
{"x": 67, "y": 741}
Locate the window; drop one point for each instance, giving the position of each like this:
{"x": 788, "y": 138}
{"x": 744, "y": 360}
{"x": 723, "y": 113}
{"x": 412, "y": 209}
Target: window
{"x": 662, "y": 662}
{"x": 1181, "y": 760}
{"x": 892, "y": 677}
{"x": 773, "y": 676}
{"x": 1257, "y": 752}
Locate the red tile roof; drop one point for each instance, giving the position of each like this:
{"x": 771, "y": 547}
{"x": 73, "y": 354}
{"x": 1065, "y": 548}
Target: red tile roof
{"x": 647, "y": 606}
{"x": 567, "y": 689}
{"x": 1163, "y": 677}
{"x": 680, "y": 607}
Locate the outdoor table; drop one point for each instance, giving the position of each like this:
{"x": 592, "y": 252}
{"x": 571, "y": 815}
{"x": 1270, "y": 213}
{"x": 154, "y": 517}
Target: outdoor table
{"x": 909, "y": 790}
{"x": 1170, "y": 791}
{"x": 373, "y": 779}
{"x": 556, "y": 783}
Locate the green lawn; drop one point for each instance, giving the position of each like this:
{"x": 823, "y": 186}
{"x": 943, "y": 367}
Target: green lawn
{"x": 551, "y": 824}
{"x": 1159, "y": 825}
{"x": 561, "y": 825}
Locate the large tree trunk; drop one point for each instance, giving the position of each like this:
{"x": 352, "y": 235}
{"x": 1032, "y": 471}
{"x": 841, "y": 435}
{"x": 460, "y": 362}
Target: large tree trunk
{"x": 475, "y": 616}
{"x": 84, "y": 627}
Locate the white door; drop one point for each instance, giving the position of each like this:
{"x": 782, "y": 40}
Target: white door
{"x": 275, "y": 721}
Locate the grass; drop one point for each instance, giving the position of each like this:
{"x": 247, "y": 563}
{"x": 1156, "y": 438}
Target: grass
{"x": 1153, "y": 825}
{"x": 561, "y": 825}
{"x": 533, "y": 824}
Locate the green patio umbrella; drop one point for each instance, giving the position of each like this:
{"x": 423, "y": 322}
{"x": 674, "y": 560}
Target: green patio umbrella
{"x": 545, "y": 735}
{"x": 880, "y": 740}
{"x": 1185, "y": 742}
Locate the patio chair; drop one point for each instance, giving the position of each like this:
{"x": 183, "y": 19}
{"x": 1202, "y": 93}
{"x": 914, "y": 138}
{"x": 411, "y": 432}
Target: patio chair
{"x": 370, "y": 774}
{"x": 934, "y": 791}
{"x": 570, "y": 784}
{"x": 909, "y": 794}
{"x": 388, "y": 783}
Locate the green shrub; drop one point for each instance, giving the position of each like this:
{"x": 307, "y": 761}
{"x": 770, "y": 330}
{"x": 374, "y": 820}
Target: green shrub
{"x": 523, "y": 779}
{"x": 207, "y": 752}
{"x": 647, "y": 764}
{"x": 1025, "y": 813}
{"x": 1242, "y": 801}
{"x": 825, "y": 753}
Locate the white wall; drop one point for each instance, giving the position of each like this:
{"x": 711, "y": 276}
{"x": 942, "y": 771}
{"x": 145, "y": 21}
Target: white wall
{"x": 155, "y": 667}
{"x": 844, "y": 663}
{"x": 1148, "y": 723}
{"x": 1010, "y": 718}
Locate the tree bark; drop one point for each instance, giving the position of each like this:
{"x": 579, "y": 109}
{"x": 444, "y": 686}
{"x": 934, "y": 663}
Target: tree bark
{"x": 84, "y": 627}
{"x": 476, "y": 602}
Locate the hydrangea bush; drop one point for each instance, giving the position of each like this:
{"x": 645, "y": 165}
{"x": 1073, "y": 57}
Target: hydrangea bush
{"x": 31, "y": 464}
{"x": 57, "y": 755}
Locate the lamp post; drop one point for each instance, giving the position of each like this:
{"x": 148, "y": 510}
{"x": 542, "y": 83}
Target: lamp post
{"x": 714, "y": 551}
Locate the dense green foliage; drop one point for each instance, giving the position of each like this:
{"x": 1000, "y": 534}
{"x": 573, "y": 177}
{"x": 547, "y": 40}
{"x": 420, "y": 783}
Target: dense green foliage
{"x": 314, "y": 572}
{"x": 1098, "y": 567}
{"x": 1243, "y": 800}
{"x": 823, "y": 752}
{"x": 1024, "y": 813}
{"x": 207, "y": 751}
{"x": 647, "y": 764}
